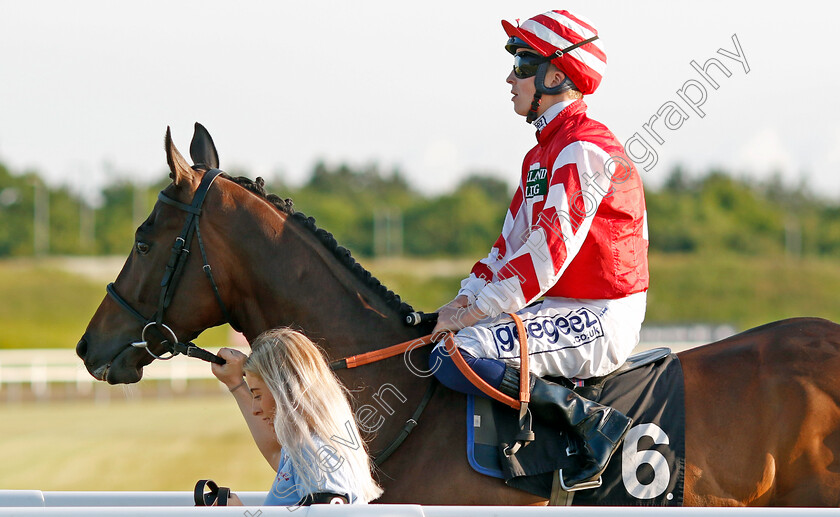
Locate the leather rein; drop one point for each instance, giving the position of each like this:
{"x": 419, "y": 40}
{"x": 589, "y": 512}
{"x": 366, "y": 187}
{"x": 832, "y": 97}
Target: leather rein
{"x": 455, "y": 353}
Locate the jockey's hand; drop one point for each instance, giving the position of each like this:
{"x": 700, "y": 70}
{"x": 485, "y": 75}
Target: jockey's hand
{"x": 231, "y": 372}
{"x": 453, "y": 317}
{"x": 459, "y": 301}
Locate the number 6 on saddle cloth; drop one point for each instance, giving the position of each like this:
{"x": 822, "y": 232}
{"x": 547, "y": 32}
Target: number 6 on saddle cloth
{"x": 654, "y": 398}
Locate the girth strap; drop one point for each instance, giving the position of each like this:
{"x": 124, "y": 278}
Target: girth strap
{"x": 385, "y": 353}
{"x": 409, "y": 425}
{"x": 525, "y": 434}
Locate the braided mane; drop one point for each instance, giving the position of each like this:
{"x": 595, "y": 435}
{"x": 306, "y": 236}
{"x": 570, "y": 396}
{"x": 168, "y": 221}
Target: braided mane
{"x": 326, "y": 238}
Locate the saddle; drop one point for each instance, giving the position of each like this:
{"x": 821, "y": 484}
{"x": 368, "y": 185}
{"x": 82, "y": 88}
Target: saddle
{"x": 591, "y": 388}
{"x": 647, "y": 470}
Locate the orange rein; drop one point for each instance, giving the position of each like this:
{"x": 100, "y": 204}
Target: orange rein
{"x": 355, "y": 361}
{"x": 454, "y": 352}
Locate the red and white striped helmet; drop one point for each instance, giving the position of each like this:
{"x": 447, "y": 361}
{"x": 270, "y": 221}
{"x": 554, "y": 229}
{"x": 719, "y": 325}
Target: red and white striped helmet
{"x": 552, "y": 32}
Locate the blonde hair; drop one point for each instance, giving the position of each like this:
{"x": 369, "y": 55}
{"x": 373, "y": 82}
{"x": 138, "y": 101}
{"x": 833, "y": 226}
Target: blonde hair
{"x": 310, "y": 403}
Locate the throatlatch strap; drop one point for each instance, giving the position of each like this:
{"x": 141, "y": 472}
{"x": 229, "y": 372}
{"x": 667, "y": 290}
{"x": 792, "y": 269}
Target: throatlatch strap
{"x": 209, "y": 272}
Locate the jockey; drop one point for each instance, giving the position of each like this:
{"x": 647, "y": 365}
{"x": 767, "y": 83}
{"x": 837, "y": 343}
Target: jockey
{"x": 575, "y": 236}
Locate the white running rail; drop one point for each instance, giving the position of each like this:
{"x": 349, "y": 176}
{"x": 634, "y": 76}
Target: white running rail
{"x": 164, "y": 504}
{"x": 39, "y": 369}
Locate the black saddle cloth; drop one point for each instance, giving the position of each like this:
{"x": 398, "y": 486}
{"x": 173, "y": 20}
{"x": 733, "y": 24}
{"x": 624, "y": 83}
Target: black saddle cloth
{"x": 647, "y": 469}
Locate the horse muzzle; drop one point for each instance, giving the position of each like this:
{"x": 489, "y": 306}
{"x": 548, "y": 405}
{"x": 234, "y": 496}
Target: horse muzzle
{"x": 126, "y": 367}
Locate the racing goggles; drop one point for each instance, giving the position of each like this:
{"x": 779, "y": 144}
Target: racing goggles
{"x": 525, "y": 64}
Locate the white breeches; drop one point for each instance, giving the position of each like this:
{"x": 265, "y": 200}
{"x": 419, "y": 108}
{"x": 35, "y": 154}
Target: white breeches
{"x": 566, "y": 337}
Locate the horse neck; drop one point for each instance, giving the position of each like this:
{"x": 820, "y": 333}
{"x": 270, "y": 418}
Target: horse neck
{"x": 296, "y": 281}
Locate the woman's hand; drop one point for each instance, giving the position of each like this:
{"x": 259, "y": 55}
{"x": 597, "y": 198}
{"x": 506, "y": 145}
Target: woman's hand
{"x": 231, "y": 372}
{"x": 233, "y": 500}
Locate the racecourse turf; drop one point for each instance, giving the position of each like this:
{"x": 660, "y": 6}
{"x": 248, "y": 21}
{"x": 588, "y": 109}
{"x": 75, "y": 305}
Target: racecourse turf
{"x": 124, "y": 444}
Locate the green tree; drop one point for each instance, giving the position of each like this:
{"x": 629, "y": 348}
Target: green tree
{"x": 65, "y": 219}
{"x": 466, "y": 222}
{"x": 114, "y": 225}
{"x": 344, "y": 201}
{"x": 16, "y": 212}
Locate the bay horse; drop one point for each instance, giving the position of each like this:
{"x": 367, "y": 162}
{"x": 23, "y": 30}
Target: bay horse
{"x": 762, "y": 407}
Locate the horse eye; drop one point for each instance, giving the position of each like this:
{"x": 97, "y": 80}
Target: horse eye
{"x": 142, "y": 248}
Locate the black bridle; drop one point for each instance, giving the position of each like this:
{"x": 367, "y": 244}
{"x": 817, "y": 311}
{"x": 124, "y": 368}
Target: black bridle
{"x": 172, "y": 275}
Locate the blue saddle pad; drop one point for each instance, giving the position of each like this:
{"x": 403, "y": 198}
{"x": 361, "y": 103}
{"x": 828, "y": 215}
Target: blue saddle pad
{"x": 647, "y": 470}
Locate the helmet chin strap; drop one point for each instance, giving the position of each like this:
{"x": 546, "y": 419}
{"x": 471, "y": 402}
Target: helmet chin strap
{"x": 535, "y": 105}
{"x": 542, "y": 89}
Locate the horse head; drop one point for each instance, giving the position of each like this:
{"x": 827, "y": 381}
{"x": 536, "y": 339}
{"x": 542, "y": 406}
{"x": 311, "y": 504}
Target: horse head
{"x": 251, "y": 261}
{"x": 154, "y": 298}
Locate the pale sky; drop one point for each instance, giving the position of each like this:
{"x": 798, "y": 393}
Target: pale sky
{"x": 88, "y": 87}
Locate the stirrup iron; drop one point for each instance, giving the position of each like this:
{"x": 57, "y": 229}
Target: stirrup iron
{"x": 586, "y": 485}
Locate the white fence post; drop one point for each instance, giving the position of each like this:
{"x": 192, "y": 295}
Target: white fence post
{"x": 84, "y": 382}
{"x": 38, "y": 380}
{"x": 43, "y": 370}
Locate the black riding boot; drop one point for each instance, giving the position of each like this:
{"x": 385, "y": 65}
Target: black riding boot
{"x": 600, "y": 429}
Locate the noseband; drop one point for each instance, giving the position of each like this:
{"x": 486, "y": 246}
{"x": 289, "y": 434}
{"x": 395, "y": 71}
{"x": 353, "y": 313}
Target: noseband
{"x": 172, "y": 275}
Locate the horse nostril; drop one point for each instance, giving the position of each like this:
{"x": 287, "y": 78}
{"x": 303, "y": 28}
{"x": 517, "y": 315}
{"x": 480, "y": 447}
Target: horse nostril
{"x": 81, "y": 348}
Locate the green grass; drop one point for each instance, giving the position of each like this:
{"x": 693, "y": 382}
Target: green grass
{"x": 45, "y": 306}
{"x": 42, "y": 306}
{"x": 426, "y": 284}
{"x": 166, "y": 444}
{"x": 743, "y": 291}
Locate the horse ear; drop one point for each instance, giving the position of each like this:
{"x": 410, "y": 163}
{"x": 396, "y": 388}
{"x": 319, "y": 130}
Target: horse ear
{"x": 179, "y": 170}
{"x": 202, "y": 148}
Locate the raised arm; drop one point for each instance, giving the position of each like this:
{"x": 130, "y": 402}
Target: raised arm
{"x": 231, "y": 375}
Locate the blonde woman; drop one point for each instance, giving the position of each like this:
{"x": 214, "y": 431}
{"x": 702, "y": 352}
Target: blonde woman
{"x": 300, "y": 419}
